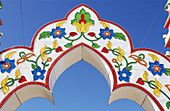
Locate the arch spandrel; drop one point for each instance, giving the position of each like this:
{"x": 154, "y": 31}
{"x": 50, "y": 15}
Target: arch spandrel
{"x": 82, "y": 35}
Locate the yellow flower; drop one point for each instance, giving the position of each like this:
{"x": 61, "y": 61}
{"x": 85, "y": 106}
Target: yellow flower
{"x": 55, "y": 44}
{"x": 158, "y": 84}
{"x": 120, "y": 58}
{"x": 43, "y": 55}
{"x": 156, "y": 91}
{"x": 109, "y": 45}
{"x": 5, "y": 88}
{"x": 145, "y": 76}
{"x": 121, "y": 54}
{"x": 17, "y": 74}
{"x": 83, "y": 27}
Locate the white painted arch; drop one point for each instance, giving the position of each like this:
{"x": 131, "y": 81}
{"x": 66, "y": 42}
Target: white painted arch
{"x": 80, "y": 53}
{"x": 104, "y": 53}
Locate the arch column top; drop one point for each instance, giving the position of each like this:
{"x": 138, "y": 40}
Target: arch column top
{"x": 83, "y": 35}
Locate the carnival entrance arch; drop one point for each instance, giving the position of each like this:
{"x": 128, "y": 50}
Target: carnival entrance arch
{"x": 138, "y": 74}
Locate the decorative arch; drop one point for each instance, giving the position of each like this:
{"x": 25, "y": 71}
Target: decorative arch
{"x": 138, "y": 74}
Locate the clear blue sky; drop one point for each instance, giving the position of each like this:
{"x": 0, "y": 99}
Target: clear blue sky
{"x": 81, "y": 87}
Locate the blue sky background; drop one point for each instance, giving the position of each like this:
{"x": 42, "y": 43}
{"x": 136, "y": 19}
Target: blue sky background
{"x": 81, "y": 87}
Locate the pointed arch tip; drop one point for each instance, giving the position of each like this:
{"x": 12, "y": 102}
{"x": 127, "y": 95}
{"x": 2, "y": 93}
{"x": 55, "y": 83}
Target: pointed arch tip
{"x": 24, "y": 94}
{"x": 136, "y": 95}
{"x": 110, "y": 50}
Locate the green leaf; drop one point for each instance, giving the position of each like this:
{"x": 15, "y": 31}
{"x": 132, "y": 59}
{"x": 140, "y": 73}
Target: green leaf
{"x": 78, "y": 15}
{"x": 34, "y": 66}
{"x": 77, "y": 18}
{"x": 167, "y": 69}
{"x": 168, "y": 105}
{"x": 90, "y": 21}
{"x": 44, "y": 35}
{"x": 86, "y": 17}
{"x": 95, "y": 45}
{"x": 68, "y": 45}
{"x": 129, "y": 68}
{"x": 167, "y": 73}
{"x": 47, "y": 65}
{"x": 120, "y": 36}
{"x": 116, "y": 66}
{"x": 82, "y": 11}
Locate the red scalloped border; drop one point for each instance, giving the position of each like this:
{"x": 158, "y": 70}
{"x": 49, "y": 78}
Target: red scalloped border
{"x": 46, "y": 85}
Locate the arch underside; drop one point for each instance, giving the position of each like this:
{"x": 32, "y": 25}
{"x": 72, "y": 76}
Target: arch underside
{"x": 82, "y": 52}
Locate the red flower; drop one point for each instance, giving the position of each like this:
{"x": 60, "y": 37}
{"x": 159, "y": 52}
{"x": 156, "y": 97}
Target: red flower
{"x": 139, "y": 81}
{"x": 105, "y": 50}
{"x": 22, "y": 79}
{"x": 73, "y": 34}
{"x": 59, "y": 49}
{"x": 92, "y": 34}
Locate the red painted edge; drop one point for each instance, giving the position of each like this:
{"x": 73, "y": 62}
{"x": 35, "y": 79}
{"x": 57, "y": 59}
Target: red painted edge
{"x": 46, "y": 85}
{"x": 143, "y": 89}
{"x": 72, "y": 48}
{"x": 168, "y": 43}
{"x": 0, "y": 22}
{"x": 167, "y": 22}
{"x": 19, "y": 87}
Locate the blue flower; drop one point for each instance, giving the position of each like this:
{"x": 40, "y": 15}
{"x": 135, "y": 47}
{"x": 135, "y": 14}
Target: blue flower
{"x": 124, "y": 75}
{"x": 106, "y": 33}
{"x": 38, "y": 73}
{"x": 156, "y": 68}
{"x": 58, "y": 32}
{"x": 7, "y": 65}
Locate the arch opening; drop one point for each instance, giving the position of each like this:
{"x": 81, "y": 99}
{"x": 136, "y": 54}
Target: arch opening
{"x": 100, "y": 94}
{"x": 82, "y": 53}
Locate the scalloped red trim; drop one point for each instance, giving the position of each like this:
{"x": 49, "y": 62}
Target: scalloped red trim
{"x": 46, "y": 85}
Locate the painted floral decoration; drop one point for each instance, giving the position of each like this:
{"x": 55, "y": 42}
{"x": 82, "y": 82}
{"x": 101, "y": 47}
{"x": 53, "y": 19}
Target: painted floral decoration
{"x": 7, "y": 65}
{"x": 106, "y": 33}
{"x": 140, "y": 81}
{"x": 82, "y": 21}
{"x": 38, "y": 73}
{"x": 156, "y": 68}
{"x": 124, "y": 75}
{"x": 58, "y": 32}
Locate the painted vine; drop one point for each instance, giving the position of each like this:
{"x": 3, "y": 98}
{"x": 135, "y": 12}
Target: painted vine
{"x": 124, "y": 73}
{"x": 7, "y": 66}
{"x": 39, "y": 69}
{"x": 82, "y": 22}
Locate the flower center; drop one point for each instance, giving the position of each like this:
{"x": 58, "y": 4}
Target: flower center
{"x": 6, "y": 66}
{"x": 107, "y": 33}
{"x": 38, "y": 73}
{"x": 156, "y": 68}
{"x": 57, "y": 32}
{"x": 124, "y": 75}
